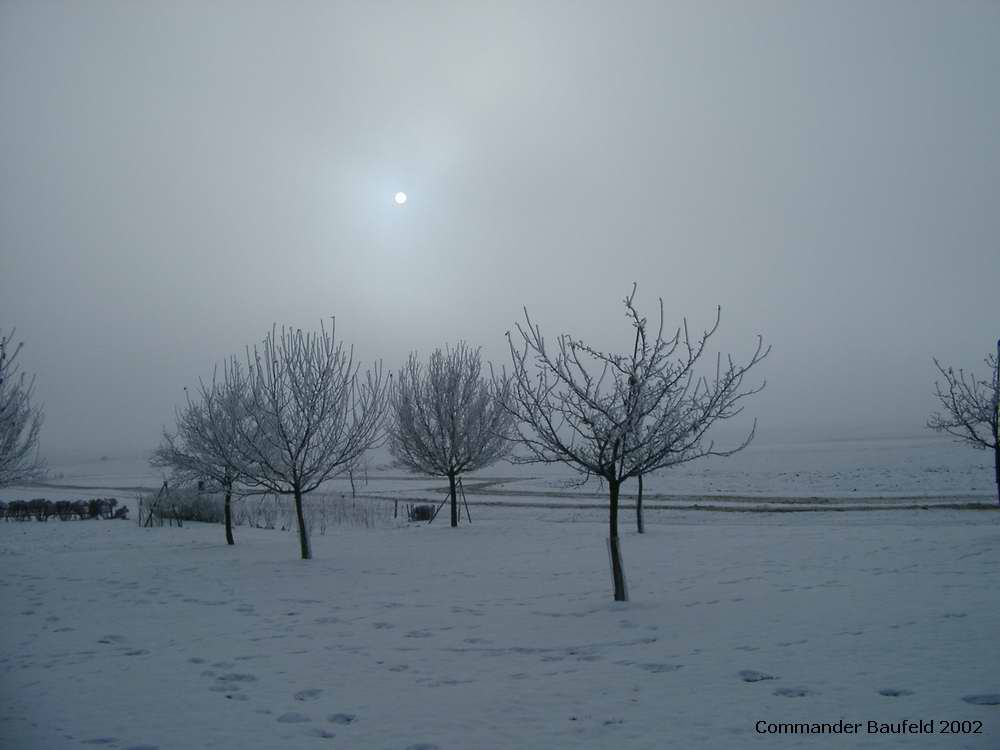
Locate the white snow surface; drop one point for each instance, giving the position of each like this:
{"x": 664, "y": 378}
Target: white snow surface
{"x": 500, "y": 634}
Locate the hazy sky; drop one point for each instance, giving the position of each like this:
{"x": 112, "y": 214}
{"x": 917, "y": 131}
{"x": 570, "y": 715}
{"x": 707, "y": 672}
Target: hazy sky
{"x": 176, "y": 176}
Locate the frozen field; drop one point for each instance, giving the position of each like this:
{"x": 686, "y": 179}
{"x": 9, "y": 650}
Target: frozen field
{"x": 866, "y": 472}
{"x": 500, "y": 634}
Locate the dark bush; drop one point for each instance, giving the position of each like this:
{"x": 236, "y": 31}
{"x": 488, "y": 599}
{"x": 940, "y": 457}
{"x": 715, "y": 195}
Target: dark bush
{"x": 65, "y": 510}
{"x": 41, "y": 509}
{"x": 419, "y": 513}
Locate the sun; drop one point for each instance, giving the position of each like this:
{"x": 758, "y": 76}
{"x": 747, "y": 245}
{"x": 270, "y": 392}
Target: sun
{"x": 399, "y": 198}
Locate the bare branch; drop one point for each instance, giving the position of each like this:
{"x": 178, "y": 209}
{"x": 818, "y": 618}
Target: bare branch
{"x": 971, "y": 408}
{"x": 20, "y": 420}
{"x": 448, "y": 419}
{"x": 621, "y": 415}
{"x": 309, "y": 414}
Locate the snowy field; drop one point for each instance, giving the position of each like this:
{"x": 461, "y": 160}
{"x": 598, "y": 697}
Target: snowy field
{"x": 928, "y": 467}
{"x": 501, "y": 634}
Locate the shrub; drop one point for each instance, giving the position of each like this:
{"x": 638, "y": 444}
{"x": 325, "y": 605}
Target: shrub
{"x": 180, "y": 507}
{"x": 419, "y": 513}
{"x": 65, "y": 510}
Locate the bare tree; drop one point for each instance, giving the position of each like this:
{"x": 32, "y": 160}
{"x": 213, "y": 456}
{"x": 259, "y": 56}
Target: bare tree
{"x": 618, "y": 416}
{"x": 448, "y": 419}
{"x": 309, "y": 416}
{"x": 205, "y": 444}
{"x": 20, "y": 421}
{"x": 971, "y": 408}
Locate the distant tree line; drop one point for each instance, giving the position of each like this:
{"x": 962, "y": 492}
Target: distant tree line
{"x": 65, "y": 510}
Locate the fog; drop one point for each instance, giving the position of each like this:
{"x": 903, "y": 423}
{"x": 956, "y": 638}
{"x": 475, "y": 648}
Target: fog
{"x": 177, "y": 177}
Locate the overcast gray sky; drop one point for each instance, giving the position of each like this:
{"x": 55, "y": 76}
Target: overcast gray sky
{"x": 176, "y": 176}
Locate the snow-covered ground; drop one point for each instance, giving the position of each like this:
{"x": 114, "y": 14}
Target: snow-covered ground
{"x": 501, "y": 634}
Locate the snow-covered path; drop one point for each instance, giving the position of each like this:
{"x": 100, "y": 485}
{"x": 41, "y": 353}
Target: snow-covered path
{"x": 500, "y": 634}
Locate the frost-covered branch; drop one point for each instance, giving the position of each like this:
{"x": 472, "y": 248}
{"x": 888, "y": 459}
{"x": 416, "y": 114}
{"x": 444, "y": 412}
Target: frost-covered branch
{"x": 205, "y": 445}
{"x": 20, "y": 420}
{"x": 309, "y": 413}
{"x": 971, "y": 408}
{"x": 619, "y": 416}
{"x": 448, "y": 419}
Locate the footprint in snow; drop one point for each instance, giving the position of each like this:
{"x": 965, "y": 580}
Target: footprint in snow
{"x": 293, "y": 717}
{"x": 657, "y": 668}
{"x": 196, "y": 660}
{"x": 383, "y": 625}
{"x": 799, "y": 692}
{"x": 236, "y": 677}
{"x": 143, "y": 747}
{"x": 894, "y": 692}
{"x": 101, "y": 741}
{"x": 137, "y": 652}
{"x": 112, "y": 639}
{"x": 342, "y": 718}
{"x": 325, "y": 734}
{"x": 986, "y": 699}
{"x": 308, "y": 695}
{"x": 752, "y": 675}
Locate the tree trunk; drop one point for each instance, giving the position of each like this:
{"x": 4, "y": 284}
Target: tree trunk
{"x": 638, "y": 508}
{"x": 303, "y": 534}
{"x": 996, "y": 463}
{"x": 454, "y": 500}
{"x": 614, "y": 550}
{"x": 229, "y": 515}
